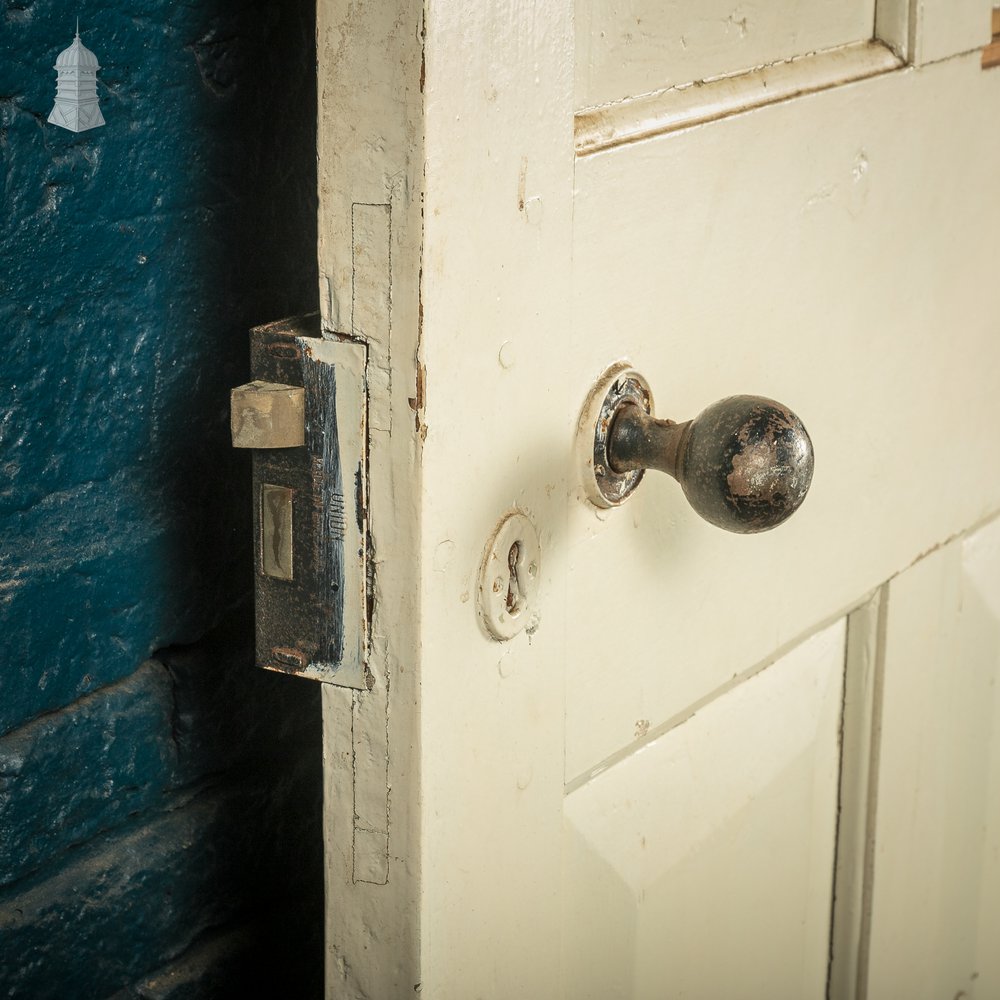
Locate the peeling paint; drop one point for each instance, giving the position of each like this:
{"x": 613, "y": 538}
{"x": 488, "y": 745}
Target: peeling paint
{"x": 372, "y": 73}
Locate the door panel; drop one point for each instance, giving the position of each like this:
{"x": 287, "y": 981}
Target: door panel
{"x": 684, "y": 875}
{"x": 630, "y": 48}
{"x": 935, "y": 921}
{"x": 799, "y": 252}
{"x": 634, "y": 47}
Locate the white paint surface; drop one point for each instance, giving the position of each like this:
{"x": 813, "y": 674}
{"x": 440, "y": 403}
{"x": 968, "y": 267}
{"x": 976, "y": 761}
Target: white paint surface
{"x": 370, "y": 167}
{"x": 832, "y": 251}
{"x": 945, "y": 28}
{"x": 684, "y": 875}
{"x": 925, "y": 31}
{"x": 638, "y": 46}
{"x": 935, "y": 921}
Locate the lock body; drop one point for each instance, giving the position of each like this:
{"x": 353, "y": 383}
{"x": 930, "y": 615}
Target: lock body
{"x": 310, "y": 503}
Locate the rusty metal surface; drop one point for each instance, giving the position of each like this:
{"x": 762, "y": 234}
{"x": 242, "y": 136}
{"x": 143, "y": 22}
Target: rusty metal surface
{"x": 300, "y": 601}
{"x": 745, "y": 463}
{"x": 639, "y": 441}
{"x": 267, "y": 415}
{"x": 617, "y": 482}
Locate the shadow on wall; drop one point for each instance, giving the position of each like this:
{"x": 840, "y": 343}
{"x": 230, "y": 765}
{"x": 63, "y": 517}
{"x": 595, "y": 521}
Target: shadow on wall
{"x": 159, "y": 811}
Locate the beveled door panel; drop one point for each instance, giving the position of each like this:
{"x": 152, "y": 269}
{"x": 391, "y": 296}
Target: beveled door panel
{"x": 686, "y": 874}
{"x": 935, "y": 892}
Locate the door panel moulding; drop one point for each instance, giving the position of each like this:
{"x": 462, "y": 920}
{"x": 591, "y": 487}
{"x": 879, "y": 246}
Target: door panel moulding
{"x": 904, "y": 32}
{"x": 854, "y": 858}
{"x": 654, "y": 733}
{"x": 698, "y": 103}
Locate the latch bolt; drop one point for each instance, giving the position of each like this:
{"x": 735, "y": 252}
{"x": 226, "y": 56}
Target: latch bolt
{"x": 268, "y": 415}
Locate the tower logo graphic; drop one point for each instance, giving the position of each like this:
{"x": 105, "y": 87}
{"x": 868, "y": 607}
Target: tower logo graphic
{"x": 76, "y": 106}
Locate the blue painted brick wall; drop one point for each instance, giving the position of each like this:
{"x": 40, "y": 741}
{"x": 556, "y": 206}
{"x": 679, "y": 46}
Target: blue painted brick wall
{"x": 159, "y": 798}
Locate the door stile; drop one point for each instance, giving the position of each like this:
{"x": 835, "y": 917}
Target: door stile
{"x": 370, "y": 167}
{"x": 500, "y": 416}
{"x": 417, "y": 904}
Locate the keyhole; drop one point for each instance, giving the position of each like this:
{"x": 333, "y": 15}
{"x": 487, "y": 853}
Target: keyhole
{"x": 508, "y": 578}
{"x": 514, "y": 597}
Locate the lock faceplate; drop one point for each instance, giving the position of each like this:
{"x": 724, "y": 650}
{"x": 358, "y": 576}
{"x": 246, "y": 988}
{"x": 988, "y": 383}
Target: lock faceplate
{"x": 311, "y": 509}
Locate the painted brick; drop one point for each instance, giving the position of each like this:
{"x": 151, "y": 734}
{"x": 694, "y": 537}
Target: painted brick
{"x": 226, "y": 711}
{"x": 69, "y": 775}
{"x": 224, "y": 965}
{"x": 231, "y": 963}
{"x": 136, "y": 256}
{"x": 146, "y": 808}
{"x": 134, "y": 902}
{"x": 194, "y": 711}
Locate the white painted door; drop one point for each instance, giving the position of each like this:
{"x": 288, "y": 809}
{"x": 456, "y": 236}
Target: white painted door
{"x": 715, "y": 765}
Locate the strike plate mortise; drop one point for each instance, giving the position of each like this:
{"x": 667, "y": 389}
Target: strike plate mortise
{"x": 305, "y": 417}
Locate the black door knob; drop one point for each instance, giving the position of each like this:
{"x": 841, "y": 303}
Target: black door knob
{"x": 745, "y": 463}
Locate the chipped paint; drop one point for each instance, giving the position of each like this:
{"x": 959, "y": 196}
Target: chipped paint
{"x": 745, "y": 463}
{"x": 372, "y": 75}
{"x": 416, "y": 401}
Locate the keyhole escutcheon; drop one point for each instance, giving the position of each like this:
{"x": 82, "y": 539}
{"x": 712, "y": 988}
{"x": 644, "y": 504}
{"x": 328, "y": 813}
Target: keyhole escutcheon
{"x": 509, "y": 577}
